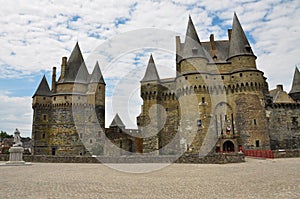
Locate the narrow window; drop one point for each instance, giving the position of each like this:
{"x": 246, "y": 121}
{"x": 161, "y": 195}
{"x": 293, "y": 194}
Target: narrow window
{"x": 241, "y": 74}
{"x": 91, "y": 141}
{"x": 65, "y": 97}
{"x": 222, "y": 77}
{"x": 44, "y": 117}
{"x": 257, "y": 143}
{"x": 44, "y": 98}
{"x": 199, "y": 123}
{"x": 254, "y": 122}
{"x": 203, "y": 100}
{"x": 80, "y": 135}
{"x": 43, "y": 136}
{"x": 167, "y": 109}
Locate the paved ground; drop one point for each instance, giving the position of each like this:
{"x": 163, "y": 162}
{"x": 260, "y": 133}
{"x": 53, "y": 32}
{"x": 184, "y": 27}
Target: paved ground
{"x": 279, "y": 178}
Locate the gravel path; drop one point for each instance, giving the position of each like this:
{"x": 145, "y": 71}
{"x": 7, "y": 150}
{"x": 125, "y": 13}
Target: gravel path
{"x": 278, "y": 178}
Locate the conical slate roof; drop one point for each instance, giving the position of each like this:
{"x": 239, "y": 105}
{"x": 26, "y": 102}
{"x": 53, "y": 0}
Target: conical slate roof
{"x": 151, "y": 72}
{"x": 96, "y": 76}
{"x": 192, "y": 45}
{"x": 43, "y": 89}
{"x": 239, "y": 44}
{"x": 117, "y": 122}
{"x": 191, "y": 32}
{"x": 76, "y": 69}
{"x": 296, "y": 82}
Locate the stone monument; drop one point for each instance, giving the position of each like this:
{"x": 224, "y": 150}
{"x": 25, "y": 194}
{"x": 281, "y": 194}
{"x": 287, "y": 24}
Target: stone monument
{"x": 16, "y": 151}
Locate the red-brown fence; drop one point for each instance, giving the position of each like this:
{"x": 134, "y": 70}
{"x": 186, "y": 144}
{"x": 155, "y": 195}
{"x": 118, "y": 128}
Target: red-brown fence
{"x": 259, "y": 153}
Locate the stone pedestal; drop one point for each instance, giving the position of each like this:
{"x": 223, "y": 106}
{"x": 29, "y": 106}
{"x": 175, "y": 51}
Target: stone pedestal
{"x": 16, "y": 156}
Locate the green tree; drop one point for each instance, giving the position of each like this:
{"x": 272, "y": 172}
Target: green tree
{"x": 3, "y": 135}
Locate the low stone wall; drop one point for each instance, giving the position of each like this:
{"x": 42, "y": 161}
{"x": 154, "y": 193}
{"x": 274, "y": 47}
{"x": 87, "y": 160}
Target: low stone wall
{"x": 286, "y": 153}
{"x": 187, "y": 158}
{"x": 220, "y": 158}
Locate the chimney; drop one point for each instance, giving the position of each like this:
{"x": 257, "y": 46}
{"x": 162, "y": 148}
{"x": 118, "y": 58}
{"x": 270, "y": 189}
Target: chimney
{"x": 54, "y": 80}
{"x": 229, "y": 34}
{"x": 212, "y": 41}
{"x": 279, "y": 87}
{"x": 63, "y": 67}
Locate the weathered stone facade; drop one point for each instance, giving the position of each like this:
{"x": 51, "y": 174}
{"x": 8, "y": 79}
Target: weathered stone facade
{"x": 69, "y": 118}
{"x": 217, "y": 102}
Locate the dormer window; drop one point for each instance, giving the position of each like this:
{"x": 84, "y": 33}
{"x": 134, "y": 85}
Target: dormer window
{"x": 248, "y": 48}
{"x": 195, "y": 51}
{"x": 215, "y": 57}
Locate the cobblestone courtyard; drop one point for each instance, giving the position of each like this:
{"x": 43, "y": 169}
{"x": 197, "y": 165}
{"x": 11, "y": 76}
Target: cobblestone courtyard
{"x": 278, "y": 178}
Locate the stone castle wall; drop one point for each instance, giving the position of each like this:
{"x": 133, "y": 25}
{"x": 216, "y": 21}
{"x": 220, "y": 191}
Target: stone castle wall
{"x": 284, "y": 126}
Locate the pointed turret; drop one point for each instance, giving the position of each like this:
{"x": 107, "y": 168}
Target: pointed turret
{"x": 192, "y": 45}
{"x": 191, "y": 32}
{"x": 117, "y": 122}
{"x": 151, "y": 72}
{"x": 97, "y": 76}
{"x": 43, "y": 89}
{"x": 295, "y": 91}
{"x": 238, "y": 44}
{"x": 76, "y": 68}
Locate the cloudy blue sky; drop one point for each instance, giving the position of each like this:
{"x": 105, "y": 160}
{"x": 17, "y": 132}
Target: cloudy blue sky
{"x": 34, "y": 35}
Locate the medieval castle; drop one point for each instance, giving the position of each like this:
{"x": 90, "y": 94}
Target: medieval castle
{"x": 217, "y": 102}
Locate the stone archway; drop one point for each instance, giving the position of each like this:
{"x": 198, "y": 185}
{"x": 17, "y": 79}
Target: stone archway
{"x": 228, "y": 146}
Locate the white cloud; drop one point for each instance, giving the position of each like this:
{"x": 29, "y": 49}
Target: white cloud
{"x": 15, "y": 112}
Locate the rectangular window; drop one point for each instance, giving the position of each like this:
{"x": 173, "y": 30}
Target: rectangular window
{"x": 203, "y": 100}
{"x": 254, "y": 122}
{"x": 199, "y": 123}
{"x": 257, "y": 143}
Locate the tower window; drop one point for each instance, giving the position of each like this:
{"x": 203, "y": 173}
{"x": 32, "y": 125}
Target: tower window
{"x": 44, "y": 98}
{"x": 241, "y": 74}
{"x": 257, "y": 143}
{"x": 203, "y": 100}
{"x": 91, "y": 141}
{"x": 54, "y": 98}
{"x": 254, "y": 122}
{"x": 222, "y": 77}
{"x": 44, "y": 117}
{"x": 43, "y": 135}
{"x": 167, "y": 109}
{"x": 186, "y": 77}
{"x": 65, "y": 97}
